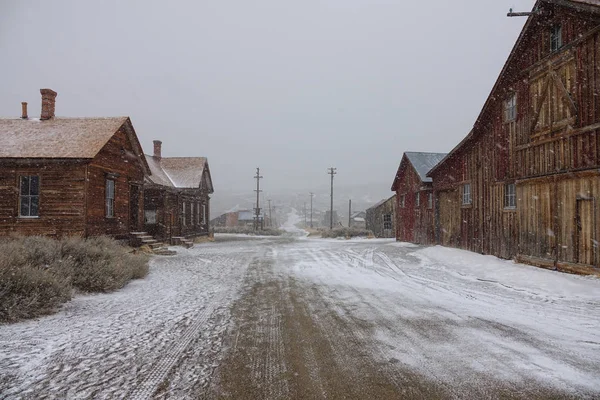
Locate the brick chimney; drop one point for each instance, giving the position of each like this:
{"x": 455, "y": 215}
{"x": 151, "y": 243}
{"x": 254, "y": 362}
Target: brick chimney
{"x": 157, "y": 149}
{"x": 24, "y": 110}
{"x": 48, "y": 103}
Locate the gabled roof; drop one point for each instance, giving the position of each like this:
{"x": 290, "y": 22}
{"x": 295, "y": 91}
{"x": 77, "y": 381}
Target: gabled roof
{"x": 180, "y": 172}
{"x": 421, "y": 162}
{"x": 56, "y": 137}
{"x": 378, "y": 204}
{"x": 585, "y": 5}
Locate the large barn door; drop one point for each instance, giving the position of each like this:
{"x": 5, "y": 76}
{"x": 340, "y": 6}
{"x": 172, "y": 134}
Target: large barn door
{"x": 586, "y": 227}
{"x": 449, "y": 218}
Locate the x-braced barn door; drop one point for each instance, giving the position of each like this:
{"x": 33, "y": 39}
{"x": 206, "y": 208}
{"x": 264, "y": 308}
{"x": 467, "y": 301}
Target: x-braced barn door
{"x": 585, "y": 224}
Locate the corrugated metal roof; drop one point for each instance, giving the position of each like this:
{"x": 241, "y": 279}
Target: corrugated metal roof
{"x": 56, "y": 137}
{"x": 177, "y": 172}
{"x": 424, "y": 162}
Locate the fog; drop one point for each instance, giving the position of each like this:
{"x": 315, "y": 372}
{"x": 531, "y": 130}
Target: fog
{"x": 291, "y": 86}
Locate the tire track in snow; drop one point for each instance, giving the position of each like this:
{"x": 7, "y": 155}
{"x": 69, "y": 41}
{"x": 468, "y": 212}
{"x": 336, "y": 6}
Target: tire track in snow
{"x": 162, "y": 368}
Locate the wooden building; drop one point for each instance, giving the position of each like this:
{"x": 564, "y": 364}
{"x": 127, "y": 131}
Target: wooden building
{"x": 414, "y": 197}
{"x": 380, "y": 218}
{"x": 525, "y": 181}
{"x": 177, "y": 196}
{"x": 70, "y": 176}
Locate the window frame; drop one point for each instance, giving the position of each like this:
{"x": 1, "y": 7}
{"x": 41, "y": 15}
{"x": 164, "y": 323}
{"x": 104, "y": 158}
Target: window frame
{"x": 429, "y": 200}
{"x": 403, "y": 201}
{"x": 29, "y": 196}
{"x": 417, "y": 199}
{"x": 467, "y": 198}
{"x": 508, "y": 196}
{"x": 109, "y": 202}
{"x": 556, "y": 39}
{"x": 387, "y": 221}
{"x": 510, "y": 108}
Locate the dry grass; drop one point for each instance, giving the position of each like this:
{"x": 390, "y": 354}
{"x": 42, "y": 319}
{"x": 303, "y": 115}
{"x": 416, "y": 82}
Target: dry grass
{"x": 38, "y": 274}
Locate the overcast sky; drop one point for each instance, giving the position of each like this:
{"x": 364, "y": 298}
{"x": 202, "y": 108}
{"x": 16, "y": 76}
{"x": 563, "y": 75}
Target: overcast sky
{"x": 291, "y": 86}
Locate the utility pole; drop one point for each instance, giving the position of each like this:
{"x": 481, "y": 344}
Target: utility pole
{"x": 258, "y": 178}
{"x": 270, "y": 216}
{"x": 349, "y": 213}
{"x": 304, "y": 214}
{"x": 331, "y": 171}
{"x": 311, "y": 201}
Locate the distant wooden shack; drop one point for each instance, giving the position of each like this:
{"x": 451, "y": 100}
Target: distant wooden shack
{"x": 70, "y": 176}
{"x": 414, "y": 198}
{"x": 380, "y": 218}
{"x": 177, "y": 196}
{"x": 525, "y": 182}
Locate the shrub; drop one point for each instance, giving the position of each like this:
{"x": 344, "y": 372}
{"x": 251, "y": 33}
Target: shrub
{"x": 38, "y": 274}
{"x": 346, "y": 232}
{"x": 34, "y": 280}
{"x": 102, "y": 264}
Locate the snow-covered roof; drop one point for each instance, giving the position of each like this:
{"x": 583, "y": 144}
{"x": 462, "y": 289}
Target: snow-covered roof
{"x": 179, "y": 172}
{"x": 424, "y": 162}
{"x": 56, "y": 137}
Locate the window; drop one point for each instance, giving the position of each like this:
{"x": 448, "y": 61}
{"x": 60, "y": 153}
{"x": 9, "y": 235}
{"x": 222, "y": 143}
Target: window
{"x": 417, "y": 200}
{"x": 183, "y": 221}
{"x": 466, "y": 194}
{"x": 29, "y": 196}
{"x": 110, "y": 198}
{"x": 430, "y": 200}
{"x": 510, "y": 108}
{"x": 387, "y": 221}
{"x": 204, "y": 214}
{"x": 555, "y": 38}
{"x": 150, "y": 216}
{"x": 402, "y": 201}
{"x": 510, "y": 196}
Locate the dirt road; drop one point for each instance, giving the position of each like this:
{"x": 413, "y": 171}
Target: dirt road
{"x": 295, "y": 317}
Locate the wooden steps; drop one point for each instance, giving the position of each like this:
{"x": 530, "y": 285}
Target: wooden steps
{"x": 139, "y": 239}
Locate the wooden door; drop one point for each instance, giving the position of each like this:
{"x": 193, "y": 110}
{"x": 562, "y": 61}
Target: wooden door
{"x": 449, "y": 218}
{"x": 585, "y": 225}
{"x": 134, "y": 205}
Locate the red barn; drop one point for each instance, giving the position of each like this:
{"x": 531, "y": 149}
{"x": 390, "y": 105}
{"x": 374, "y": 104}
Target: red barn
{"x": 70, "y": 176}
{"x": 414, "y": 198}
{"x": 525, "y": 182}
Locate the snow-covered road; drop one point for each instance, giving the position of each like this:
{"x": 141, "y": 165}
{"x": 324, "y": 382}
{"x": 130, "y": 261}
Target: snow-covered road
{"x": 297, "y": 317}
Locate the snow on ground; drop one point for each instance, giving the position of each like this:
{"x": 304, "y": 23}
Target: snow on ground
{"x": 471, "y": 323}
{"x": 124, "y": 344}
{"x": 458, "y": 317}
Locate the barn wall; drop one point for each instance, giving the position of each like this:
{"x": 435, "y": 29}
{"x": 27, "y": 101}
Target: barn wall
{"x": 374, "y": 218}
{"x": 413, "y": 224}
{"x": 62, "y": 199}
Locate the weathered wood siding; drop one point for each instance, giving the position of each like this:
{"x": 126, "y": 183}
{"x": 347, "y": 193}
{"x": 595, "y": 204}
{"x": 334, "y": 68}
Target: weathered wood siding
{"x": 117, "y": 161}
{"x": 374, "y": 219}
{"x": 551, "y": 152}
{"x": 168, "y": 205}
{"x": 413, "y": 223}
{"x": 62, "y": 198}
